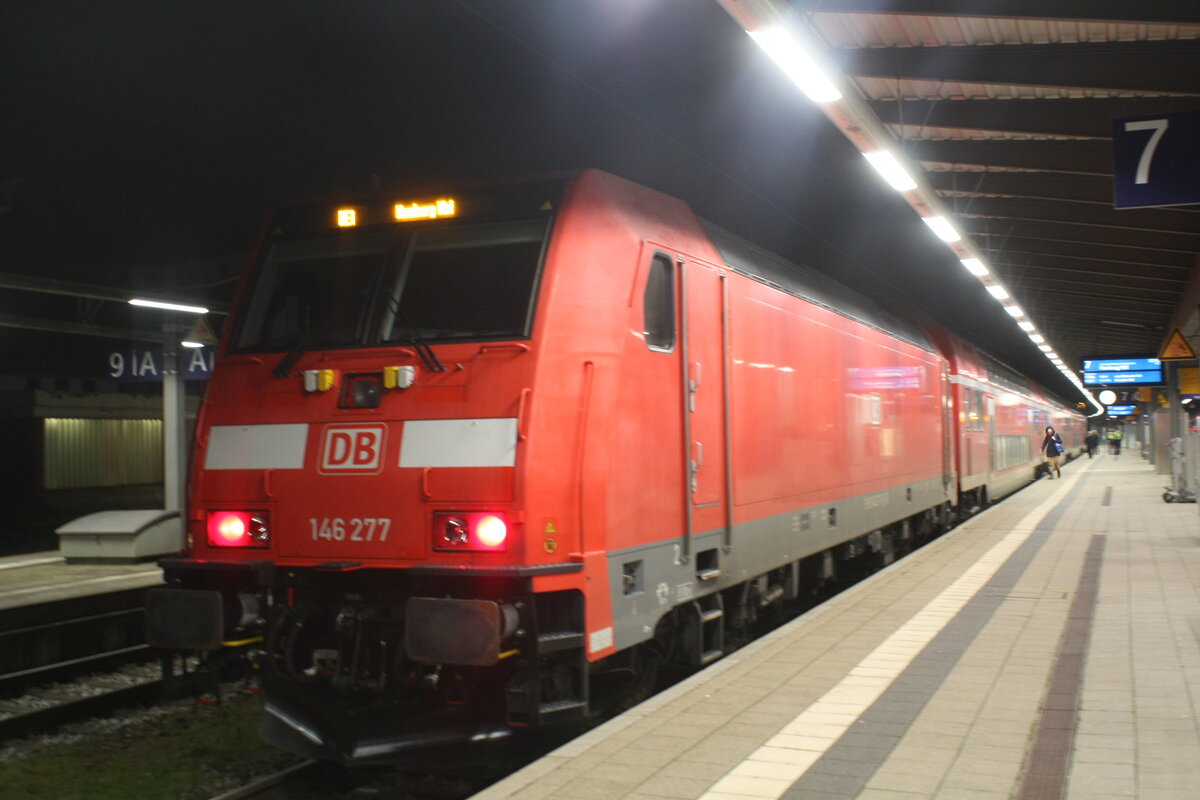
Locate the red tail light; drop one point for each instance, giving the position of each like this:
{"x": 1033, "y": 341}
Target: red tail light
{"x": 238, "y": 529}
{"x": 469, "y": 531}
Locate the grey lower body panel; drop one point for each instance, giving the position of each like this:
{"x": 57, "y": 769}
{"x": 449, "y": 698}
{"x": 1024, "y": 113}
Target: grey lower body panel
{"x": 646, "y": 582}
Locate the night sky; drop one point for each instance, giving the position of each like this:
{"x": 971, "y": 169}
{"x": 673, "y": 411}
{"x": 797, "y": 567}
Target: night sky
{"x": 139, "y": 137}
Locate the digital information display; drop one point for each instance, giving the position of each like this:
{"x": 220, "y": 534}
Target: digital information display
{"x": 1122, "y": 371}
{"x": 1120, "y": 411}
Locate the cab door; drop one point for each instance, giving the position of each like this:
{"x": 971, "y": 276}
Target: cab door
{"x": 993, "y": 444}
{"x": 704, "y": 372}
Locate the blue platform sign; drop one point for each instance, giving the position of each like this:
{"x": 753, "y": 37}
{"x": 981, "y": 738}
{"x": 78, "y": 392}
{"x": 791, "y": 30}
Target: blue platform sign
{"x": 139, "y": 365}
{"x": 1156, "y": 160}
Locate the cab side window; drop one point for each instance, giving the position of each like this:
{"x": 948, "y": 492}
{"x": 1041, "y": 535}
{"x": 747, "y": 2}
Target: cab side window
{"x": 658, "y": 305}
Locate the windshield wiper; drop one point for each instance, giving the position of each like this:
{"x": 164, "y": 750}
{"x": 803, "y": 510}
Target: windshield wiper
{"x": 428, "y": 357}
{"x": 409, "y": 335}
{"x": 284, "y": 368}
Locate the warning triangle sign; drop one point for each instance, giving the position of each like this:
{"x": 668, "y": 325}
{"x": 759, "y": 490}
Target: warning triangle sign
{"x": 1177, "y": 348}
{"x": 201, "y": 332}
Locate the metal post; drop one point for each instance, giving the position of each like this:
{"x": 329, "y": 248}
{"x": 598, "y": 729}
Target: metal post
{"x": 174, "y": 439}
{"x": 1173, "y": 406}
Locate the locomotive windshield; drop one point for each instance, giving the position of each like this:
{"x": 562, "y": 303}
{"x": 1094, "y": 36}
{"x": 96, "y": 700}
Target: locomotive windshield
{"x": 441, "y": 282}
{"x": 466, "y": 281}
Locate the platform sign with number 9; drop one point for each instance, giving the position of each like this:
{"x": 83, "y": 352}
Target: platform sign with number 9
{"x": 1156, "y": 160}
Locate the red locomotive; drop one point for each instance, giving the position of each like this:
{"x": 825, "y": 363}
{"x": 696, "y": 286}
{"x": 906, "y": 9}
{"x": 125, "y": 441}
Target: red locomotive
{"x": 464, "y": 452}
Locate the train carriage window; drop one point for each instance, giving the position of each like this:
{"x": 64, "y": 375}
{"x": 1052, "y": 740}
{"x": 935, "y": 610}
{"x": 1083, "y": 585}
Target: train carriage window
{"x": 314, "y": 292}
{"x": 467, "y": 282}
{"x": 658, "y": 305}
{"x": 977, "y": 415}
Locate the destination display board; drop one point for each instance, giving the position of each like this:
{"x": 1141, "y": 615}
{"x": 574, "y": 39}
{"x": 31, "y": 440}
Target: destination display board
{"x": 1120, "y": 411}
{"x": 1122, "y": 371}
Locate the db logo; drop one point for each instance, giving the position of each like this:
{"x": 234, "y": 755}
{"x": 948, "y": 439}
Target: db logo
{"x": 353, "y": 449}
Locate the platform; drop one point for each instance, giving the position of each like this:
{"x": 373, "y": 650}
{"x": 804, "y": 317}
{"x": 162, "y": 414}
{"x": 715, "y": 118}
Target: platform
{"x": 36, "y": 578}
{"x": 1047, "y": 648}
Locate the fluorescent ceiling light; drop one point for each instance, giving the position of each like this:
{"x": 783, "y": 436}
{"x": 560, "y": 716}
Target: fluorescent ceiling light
{"x": 997, "y": 291}
{"x": 1026, "y": 325}
{"x": 168, "y": 306}
{"x": 886, "y": 165}
{"x": 1037, "y": 338}
{"x": 942, "y": 227}
{"x": 1045, "y": 348}
{"x": 974, "y": 266}
{"x": 193, "y": 345}
{"x": 1015, "y": 311}
{"x": 796, "y": 64}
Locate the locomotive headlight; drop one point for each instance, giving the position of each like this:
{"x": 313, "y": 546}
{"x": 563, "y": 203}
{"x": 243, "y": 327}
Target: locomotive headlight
{"x": 238, "y": 529}
{"x": 473, "y": 531}
{"x": 454, "y": 531}
{"x": 362, "y": 391}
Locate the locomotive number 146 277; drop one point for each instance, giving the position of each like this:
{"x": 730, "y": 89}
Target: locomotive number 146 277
{"x": 356, "y": 529}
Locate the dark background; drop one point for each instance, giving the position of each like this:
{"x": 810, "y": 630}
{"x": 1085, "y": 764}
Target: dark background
{"x": 142, "y": 143}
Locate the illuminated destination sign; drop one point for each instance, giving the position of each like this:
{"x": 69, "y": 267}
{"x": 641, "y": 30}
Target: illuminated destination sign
{"x": 349, "y": 217}
{"x": 1120, "y": 411}
{"x": 434, "y": 210}
{"x": 1122, "y": 371}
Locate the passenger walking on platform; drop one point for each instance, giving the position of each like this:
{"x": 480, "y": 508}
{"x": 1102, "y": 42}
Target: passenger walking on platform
{"x": 1116, "y": 442}
{"x": 1052, "y": 446}
{"x": 1092, "y": 440}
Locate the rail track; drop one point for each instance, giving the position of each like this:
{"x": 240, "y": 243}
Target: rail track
{"x": 296, "y": 774}
{"x": 70, "y": 660}
{"x": 46, "y": 712}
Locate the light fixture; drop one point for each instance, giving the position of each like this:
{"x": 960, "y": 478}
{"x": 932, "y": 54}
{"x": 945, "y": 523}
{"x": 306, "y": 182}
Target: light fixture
{"x": 798, "y": 65}
{"x": 997, "y": 291}
{"x": 192, "y": 345}
{"x": 942, "y": 228}
{"x": 792, "y": 41}
{"x": 1045, "y": 348}
{"x": 886, "y": 165}
{"x": 1037, "y": 338}
{"x": 168, "y": 306}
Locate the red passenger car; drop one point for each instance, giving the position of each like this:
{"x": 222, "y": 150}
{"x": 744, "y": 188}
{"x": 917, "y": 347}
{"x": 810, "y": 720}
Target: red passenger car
{"x": 463, "y": 452}
{"x": 1000, "y": 419}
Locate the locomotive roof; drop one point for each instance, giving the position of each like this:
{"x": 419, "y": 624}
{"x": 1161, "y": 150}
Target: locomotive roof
{"x": 803, "y": 281}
